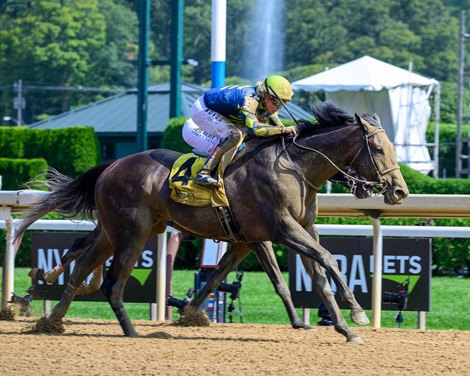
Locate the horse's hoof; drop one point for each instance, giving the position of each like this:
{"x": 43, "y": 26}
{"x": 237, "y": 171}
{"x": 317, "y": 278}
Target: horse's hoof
{"x": 357, "y": 340}
{"x": 193, "y": 317}
{"x": 301, "y": 325}
{"x": 359, "y": 318}
{"x": 36, "y": 274}
{"x": 52, "y": 275}
{"x": 47, "y": 325}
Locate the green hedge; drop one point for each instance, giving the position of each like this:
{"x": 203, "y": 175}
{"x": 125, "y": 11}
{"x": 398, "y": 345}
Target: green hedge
{"x": 172, "y": 137}
{"x": 15, "y": 172}
{"x": 26, "y": 153}
{"x": 70, "y": 150}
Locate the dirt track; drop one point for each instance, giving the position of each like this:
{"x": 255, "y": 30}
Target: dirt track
{"x": 97, "y": 347}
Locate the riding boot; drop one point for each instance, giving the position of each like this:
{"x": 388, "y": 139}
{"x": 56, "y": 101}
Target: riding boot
{"x": 204, "y": 177}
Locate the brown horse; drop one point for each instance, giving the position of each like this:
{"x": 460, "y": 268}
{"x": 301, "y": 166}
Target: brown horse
{"x": 271, "y": 185}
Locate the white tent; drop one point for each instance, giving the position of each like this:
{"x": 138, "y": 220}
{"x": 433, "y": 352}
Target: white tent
{"x": 398, "y": 96}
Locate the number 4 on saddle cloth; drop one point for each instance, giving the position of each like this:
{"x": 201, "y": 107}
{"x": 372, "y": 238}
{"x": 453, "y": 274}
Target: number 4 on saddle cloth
{"x": 185, "y": 191}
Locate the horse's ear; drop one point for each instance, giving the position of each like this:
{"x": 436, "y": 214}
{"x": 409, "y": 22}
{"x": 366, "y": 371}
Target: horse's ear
{"x": 367, "y": 126}
{"x": 377, "y": 118}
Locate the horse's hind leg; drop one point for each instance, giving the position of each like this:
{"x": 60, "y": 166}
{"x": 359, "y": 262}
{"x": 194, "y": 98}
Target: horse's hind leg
{"x": 265, "y": 254}
{"x": 86, "y": 263}
{"x": 128, "y": 237}
{"x": 235, "y": 254}
{"x": 79, "y": 246}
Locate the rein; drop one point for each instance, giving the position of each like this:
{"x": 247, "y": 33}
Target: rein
{"x": 379, "y": 184}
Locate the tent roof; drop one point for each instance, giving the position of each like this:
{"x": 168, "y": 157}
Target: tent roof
{"x": 118, "y": 114}
{"x": 365, "y": 73}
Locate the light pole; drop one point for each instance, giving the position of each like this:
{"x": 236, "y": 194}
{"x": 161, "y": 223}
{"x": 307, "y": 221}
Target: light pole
{"x": 9, "y": 118}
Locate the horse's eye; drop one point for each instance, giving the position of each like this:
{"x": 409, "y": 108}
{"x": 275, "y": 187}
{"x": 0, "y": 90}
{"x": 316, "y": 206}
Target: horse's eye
{"x": 378, "y": 146}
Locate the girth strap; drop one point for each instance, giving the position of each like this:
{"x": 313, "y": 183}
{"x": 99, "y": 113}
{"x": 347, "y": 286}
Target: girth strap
{"x": 228, "y": 223}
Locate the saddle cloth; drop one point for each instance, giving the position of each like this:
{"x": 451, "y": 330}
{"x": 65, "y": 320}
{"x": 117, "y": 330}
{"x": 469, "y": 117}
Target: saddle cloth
{"x": 185, "y": 191}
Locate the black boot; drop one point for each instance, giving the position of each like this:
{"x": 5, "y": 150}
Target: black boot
{"x": 204, "y": 177}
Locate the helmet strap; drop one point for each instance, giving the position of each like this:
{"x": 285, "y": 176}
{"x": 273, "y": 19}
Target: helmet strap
{"x": 270, "y": 90}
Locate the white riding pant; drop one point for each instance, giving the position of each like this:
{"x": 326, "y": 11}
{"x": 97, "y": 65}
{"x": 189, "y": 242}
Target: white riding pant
{"x": 206, "y": 128}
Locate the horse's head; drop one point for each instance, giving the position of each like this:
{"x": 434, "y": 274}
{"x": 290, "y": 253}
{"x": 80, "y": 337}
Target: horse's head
{"x": 377, "y": 161}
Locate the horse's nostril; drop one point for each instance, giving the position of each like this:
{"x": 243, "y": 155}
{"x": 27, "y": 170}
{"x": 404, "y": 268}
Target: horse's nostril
{"x": 400, "y": 193}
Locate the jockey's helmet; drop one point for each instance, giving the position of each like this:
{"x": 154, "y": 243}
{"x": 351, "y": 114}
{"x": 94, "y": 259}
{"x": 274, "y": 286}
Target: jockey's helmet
{"x": 278, "y": 87}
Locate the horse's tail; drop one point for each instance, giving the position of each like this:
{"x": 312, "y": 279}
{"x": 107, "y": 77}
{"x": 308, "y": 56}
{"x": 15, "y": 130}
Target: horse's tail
{"x": 69, "y": 197}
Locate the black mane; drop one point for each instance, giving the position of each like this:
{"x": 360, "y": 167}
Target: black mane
{"x": 327, "y": 114}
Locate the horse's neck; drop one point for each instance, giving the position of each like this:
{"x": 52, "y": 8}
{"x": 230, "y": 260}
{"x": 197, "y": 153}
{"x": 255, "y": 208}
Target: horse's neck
{"x": 335, "y": 149}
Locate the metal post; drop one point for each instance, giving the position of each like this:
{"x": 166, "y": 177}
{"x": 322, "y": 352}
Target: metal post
{"x": 437, "y": 120}
{"x": 421, "y": 320}
{"x": 377, "y": 277}
{"x": 458, "y": 139}
{"x": 218, "y": 36}
{"x": 306, "y": 315}
{"x": 161, "y": 276}
{"x": 19, "y": 102}
{"x": 144, "y": 63}
{"x": 176, "y": 60}
{"x": 47, "y": 307}
{"x": 9, "y": 258}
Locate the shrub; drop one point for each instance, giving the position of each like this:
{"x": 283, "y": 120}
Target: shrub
{"x": 16, "y": 172}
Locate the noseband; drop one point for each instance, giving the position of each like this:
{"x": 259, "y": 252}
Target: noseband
{"x": 353, "y": 181}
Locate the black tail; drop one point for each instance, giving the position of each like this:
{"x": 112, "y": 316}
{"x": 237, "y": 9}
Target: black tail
{"x": 69, "y": 197}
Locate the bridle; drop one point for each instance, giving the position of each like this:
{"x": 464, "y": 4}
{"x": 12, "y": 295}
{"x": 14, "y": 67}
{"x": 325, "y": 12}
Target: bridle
{"x": 353, "y": 182}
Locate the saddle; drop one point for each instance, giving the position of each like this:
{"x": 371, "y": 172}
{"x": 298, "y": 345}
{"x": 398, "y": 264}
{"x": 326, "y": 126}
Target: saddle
{"x": 185, "y": 191}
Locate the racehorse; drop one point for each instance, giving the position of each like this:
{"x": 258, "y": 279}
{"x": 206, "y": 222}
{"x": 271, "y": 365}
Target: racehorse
{"x": 271, "y": 185}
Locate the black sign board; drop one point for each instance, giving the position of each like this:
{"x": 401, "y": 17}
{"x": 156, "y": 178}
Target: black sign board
{"x": 404, "y": 261}
{"x": 49, "y": 247}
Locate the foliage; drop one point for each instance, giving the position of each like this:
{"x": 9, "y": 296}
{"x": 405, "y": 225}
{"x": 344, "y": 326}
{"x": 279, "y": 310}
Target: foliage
{"x": 16, "y": 172}
{"x": 70, "y": 150}
{"x": 64, "y": 44}
{"x": 172, "y": 137}
{"x": 447, "y": 135}
{"x": 94, "y": 43}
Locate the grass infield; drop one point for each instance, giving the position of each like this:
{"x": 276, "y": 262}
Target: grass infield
{"x": 450, "y": 302}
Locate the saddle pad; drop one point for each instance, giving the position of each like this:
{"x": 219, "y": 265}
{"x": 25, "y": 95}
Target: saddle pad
{"x": 185, "y": 191}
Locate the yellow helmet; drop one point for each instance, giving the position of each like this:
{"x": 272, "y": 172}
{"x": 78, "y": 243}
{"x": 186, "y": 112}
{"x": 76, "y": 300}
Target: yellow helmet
{"x": 278, "y": 86}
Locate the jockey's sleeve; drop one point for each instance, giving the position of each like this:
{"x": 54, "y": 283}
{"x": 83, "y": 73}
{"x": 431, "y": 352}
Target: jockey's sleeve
{"x": 247, "y": 113}
{"x": 262, "y": 130}
{"x": 274, "y": 120}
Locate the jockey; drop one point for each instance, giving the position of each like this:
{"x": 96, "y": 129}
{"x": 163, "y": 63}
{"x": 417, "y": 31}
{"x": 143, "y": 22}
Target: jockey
{"x": 223, "y": 116}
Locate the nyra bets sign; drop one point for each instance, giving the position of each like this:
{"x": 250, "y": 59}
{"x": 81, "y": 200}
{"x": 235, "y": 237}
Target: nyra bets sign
{"x": 49, "y": 247}
{"x": 406, "y": 262}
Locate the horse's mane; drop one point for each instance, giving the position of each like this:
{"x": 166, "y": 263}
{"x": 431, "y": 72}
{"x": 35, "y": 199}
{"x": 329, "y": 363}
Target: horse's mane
{"x": 326, "y": 114}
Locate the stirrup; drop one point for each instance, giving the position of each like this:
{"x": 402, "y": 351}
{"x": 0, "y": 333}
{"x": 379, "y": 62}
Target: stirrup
{"x": 206, "y": 180}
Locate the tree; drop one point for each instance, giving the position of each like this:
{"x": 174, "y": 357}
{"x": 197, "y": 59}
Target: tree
{"x": 65, "y": 43}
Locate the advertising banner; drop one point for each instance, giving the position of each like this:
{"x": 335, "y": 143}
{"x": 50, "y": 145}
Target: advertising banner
{"x": 49, "y": 247}
{"x": 406, "y": 268}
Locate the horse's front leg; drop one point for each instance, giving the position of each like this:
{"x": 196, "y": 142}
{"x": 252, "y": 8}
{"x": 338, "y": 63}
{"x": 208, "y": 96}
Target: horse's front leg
{"x": 299, "y": 240}
{"x": 323, "y": 288}
{"x": 234, "y": 255}
{"x": 265, "y": 254}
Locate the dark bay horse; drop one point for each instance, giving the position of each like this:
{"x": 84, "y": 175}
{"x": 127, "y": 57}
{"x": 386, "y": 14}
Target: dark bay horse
{"x": 271, "y": 185}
